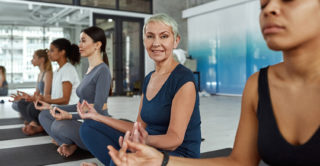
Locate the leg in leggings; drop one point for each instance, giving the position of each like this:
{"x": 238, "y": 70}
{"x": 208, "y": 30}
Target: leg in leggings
{"x": 33, "y": 113}
{"x": 22, "y": 108}
{"x": 67, "y": 132}
{"x": 15, "y": 106}
{"x": 46, "y": 121}
{"x": 97, "y": 136}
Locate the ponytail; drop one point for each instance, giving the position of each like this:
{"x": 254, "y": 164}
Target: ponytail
{"x": 105, "y": 58}
{"x": 43, "y": 53}
{"x": 74, "y": 54}
{"x": 72, "y": 50}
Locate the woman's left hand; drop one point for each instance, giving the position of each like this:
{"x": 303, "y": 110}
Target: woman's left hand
{"x": 143, "y": 155}
{"x": 41, "y": 105}
{"x": 138, "y": 134}
{"x": 60, "y": 114}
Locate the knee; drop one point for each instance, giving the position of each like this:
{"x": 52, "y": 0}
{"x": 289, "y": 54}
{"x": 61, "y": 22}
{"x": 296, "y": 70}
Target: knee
{"x": 30, "y": 107}
{"x": 58, "y": 127}
{"x": 44, "y": 116}
{"x": 20, "y": 105}
{"x": 15, "y": 106}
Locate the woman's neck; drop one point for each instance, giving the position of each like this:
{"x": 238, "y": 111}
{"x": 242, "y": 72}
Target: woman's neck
{"x": 303, "y": 62}
{"x": 61, "y": 62}
{"x": 41, "y": 68}
{"x": 166, "y": 66}
{"x": 94, "y": 59}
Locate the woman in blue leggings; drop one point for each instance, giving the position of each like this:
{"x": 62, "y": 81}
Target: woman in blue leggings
{"x": 169, "y": 109}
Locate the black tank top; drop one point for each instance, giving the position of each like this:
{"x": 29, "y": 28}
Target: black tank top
{"x": 273, "y": 148}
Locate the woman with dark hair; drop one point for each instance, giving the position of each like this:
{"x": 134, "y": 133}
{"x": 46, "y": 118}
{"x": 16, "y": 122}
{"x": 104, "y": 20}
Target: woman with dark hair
{"x": 24, "y": 101}
{"x": 3, "y": 82}
{"x": 59, "y": 123}
{"x": 65, "y": 79}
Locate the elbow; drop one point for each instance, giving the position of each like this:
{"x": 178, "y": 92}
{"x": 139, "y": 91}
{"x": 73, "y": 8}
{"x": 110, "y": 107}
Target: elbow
{"x": 65, "y": 101}
{"x": 175, "y": 144}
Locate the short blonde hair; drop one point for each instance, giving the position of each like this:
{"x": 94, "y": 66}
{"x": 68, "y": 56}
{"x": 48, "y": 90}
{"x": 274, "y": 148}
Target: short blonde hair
{"x": 166, "y": 19}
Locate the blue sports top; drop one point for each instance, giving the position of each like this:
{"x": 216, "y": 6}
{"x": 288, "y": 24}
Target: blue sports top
{"x": 156, "y": 112}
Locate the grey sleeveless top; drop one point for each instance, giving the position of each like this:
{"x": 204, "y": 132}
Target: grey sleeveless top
{"x": 40, "y": 84}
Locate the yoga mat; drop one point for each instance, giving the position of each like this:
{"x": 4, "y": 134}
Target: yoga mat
{"x": 16, "y": 133}
{"x": 38, "y": 155}
{"x": 216, "y": 153}
{"x": 222, "y": 153}
{"x": 10, "y": 121}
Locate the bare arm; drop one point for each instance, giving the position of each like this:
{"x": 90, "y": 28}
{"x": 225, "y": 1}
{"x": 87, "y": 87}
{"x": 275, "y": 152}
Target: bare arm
{"x": 181, "y": 111}
{"x": 47, "y": 84}
{"x": 117, "y": 124}
{"x": 139, "y": 116}
{"x": 87, "y": 111}
{"x": 66, "y": 90}
{"x": 245, "y": 150}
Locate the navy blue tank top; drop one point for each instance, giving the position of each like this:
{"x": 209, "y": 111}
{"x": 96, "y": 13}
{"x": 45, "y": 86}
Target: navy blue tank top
{"x": 273, "y": 148}
{"x": 156, "y": 112}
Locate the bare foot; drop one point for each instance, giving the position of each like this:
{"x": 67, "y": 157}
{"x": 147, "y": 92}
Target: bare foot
{"x": 54, "y": 142}
{"x": 25, "y": 128}
{"x": 67, "y": 150}
{"x": 32, "y": 130}
{"x": 88, "y": 164}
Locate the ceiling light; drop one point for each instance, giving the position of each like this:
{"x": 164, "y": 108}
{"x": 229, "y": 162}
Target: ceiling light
{"x": 68, "y": 18}
{"x": 30, "y": 6}
{"x": 110, "y": 20}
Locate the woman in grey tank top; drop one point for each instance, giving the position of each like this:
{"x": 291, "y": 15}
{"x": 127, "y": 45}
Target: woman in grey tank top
{"x": 24, "y": 102}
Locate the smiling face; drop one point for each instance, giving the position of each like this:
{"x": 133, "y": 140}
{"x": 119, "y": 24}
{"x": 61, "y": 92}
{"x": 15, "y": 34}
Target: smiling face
{"x": 159, "y": 41}
{"x": 287, "y": 24}
{"x": 87, "y": 46}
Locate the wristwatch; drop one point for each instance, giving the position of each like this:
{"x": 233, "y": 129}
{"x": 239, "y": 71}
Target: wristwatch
{"x": 165, "y": 159}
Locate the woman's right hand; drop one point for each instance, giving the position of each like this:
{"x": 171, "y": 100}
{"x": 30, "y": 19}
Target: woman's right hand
{"x": 15, "y": 97}
{"x": 41, "y": 105}
{"x": 23, "y": 94}
{"x": 19, "y": 96}
{"x": 86, "y": 110}
{"x": 144, "y": 155}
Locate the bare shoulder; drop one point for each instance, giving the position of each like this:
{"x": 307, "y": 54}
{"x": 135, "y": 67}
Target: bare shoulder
{"x": 250, "y": 92}
{"x": 48, "y": 73}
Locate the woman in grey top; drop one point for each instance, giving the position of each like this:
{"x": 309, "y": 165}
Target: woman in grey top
{"x": 24, "y": 102}
{"x": 60, "y": 122}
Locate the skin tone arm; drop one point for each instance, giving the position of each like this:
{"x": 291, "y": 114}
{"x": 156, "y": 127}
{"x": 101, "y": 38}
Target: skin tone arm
{"x": 66, "y": 90}
{"x": 47, "y": 88}
{"x": 87, "y": 111}
{"x": 47, "y": 84}
{"x": 181, "y": 111}
{"x": 245, "y": 151}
